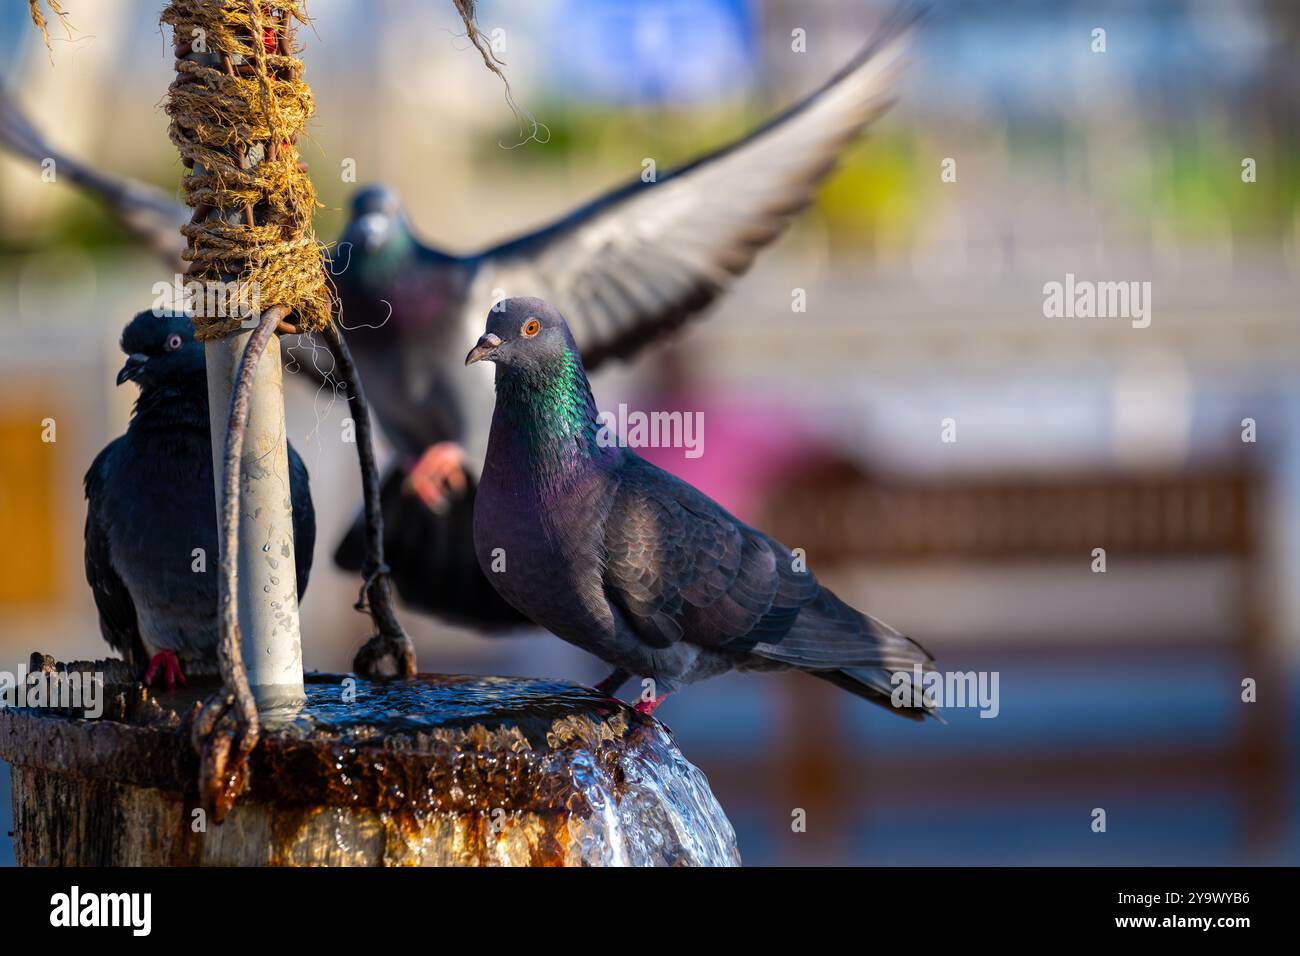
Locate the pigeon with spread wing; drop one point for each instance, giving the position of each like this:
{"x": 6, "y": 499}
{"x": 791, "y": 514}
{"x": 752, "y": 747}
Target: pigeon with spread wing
{"x": 625, "y": 269}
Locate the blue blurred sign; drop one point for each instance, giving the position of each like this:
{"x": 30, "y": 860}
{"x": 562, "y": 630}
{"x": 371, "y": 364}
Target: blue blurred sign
{"x": 653, "y": 51}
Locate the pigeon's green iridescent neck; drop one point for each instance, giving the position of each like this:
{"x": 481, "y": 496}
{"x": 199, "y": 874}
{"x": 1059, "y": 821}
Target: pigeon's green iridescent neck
{"x": 551, "y": 415}
{"x": 394, "y": 254}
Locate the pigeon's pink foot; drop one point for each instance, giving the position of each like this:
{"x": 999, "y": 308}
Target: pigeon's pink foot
{"x": 441, "y": 468}
{"x": 169, "y": 665}
{"x": 610, "y": 685}
{"x": 648, "y": 707}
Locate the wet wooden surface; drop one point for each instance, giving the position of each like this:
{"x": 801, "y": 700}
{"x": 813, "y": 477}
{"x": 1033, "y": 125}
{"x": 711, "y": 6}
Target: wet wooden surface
{"x": 442, "y": 770}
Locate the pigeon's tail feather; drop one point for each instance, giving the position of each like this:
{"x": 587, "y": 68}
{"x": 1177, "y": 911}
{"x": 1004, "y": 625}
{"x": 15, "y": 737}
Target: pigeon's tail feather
{"x": 855, "y": 651}
{"x": 431, "y": 558}
{"x": 874, "y": 684}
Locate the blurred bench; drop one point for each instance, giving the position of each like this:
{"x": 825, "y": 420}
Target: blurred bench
{"x": 867, "y": 536}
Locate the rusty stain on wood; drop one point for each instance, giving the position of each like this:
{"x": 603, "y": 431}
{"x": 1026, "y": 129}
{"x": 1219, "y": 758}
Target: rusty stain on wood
{"x": 487, "y": 784}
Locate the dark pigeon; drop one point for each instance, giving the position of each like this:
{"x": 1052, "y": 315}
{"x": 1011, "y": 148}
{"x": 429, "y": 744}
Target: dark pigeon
{"x": 627, "y": 268}
{"x": 622, "y": 559}
{"x": 150, "y": 503}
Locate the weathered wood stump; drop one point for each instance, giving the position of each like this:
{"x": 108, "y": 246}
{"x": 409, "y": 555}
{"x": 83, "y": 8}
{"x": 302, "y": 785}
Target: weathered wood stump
{"x": 438, "y": 770}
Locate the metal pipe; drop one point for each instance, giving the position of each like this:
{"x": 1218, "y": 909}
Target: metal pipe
{"x": 267, "y": 586}
{"x": 266, "y": 593}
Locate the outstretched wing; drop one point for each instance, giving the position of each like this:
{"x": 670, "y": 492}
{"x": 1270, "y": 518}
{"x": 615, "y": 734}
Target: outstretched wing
{"x": 641, "y": 260}
{"x": 117, "y": 621}
{"x": 148, "y": 213}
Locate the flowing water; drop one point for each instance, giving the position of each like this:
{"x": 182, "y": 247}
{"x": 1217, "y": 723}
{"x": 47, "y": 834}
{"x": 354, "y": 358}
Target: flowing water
{"x": 632, "y": 798}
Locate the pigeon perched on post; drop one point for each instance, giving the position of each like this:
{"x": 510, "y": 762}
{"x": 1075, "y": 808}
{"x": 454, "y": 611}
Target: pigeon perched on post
{"x": 624, "y": 560}
{"x": 627, "y": 268}
{"x": 151, "y": 517}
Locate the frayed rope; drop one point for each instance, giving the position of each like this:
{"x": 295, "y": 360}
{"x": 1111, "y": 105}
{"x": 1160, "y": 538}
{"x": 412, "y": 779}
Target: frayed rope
{"x": 38, "y": 18}
{"x": 538, "y": 132}
{"x": 237, "y": 108}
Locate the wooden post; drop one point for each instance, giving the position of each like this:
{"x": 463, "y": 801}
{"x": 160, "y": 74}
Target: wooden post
{"x": 433, "y": 771}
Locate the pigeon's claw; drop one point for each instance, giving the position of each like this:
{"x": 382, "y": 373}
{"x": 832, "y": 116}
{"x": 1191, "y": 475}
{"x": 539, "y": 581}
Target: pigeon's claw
{"x": 169, "y": 665}
{"x": 648, "y": 707}
{"x": 436, "y": 473}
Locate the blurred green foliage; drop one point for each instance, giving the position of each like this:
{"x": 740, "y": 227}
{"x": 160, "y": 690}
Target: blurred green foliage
{"x": 80, "y": 223}
{"x": 1189, "y": 179}
{"x": 1197, "y": 184}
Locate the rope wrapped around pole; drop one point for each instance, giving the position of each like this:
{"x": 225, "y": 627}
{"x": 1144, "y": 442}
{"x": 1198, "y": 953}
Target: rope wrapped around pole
{"x": 236, "y": 126}
{"x": 237, "y": 106}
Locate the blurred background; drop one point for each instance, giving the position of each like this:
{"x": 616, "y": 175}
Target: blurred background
{"x": 1120, "y": 690}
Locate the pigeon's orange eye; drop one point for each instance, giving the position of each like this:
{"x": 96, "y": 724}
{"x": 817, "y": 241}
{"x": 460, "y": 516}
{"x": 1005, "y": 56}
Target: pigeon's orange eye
{"x": 531, "y": 328}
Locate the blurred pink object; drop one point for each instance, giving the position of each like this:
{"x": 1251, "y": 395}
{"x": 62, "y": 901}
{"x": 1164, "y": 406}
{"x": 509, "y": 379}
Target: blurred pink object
{"x": 749, "y": 445}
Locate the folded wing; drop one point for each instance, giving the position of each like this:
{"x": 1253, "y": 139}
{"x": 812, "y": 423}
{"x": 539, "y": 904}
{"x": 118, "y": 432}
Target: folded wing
{"x": 680, "y": 568}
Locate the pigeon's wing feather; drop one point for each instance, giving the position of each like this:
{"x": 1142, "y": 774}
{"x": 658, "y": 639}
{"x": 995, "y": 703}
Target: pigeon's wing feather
{"x": 646, "y": 257}
{"x": 304, "y": 519}
{"x": 148, "y": 213}
{"x": 117, "y": 620}
{"x": 680, "y": 567}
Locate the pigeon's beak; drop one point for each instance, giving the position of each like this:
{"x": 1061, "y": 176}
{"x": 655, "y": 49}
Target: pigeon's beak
{"x": 373, "y": 230}
{"x": 135, "y": 363}
{"x": 485, "y": 348}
